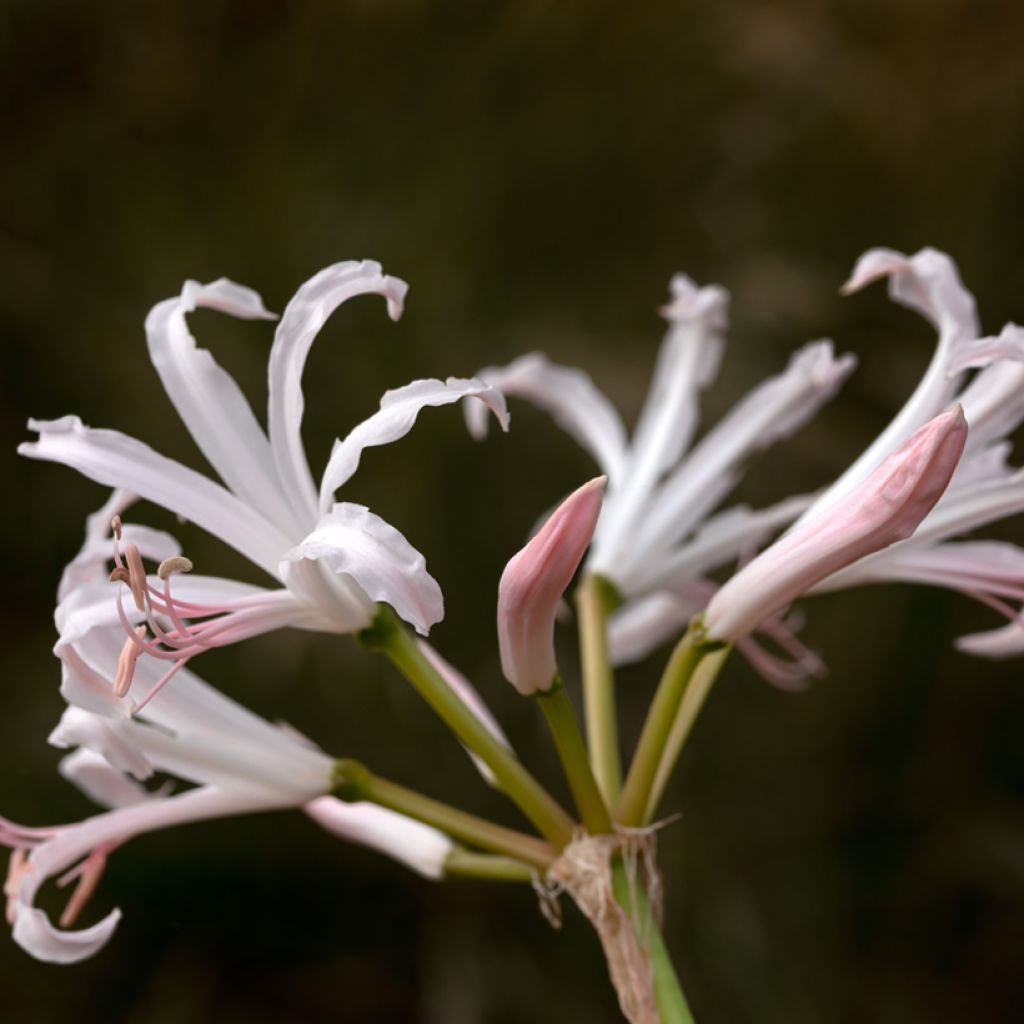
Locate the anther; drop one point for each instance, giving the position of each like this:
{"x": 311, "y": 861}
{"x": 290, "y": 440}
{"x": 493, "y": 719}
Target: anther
{"x": 120, "y": 575}
{"x": 126, "y": 663}
{"x": 136, "y": 575}
{"x": 169, "y": 566}
{"x": 115, "y": 525}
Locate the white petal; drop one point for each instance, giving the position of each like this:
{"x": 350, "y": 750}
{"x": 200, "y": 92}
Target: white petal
{"x": 32, "y": 928}
{"x": 569, "y": 396}
{"x": 113, "y": 459}
{"x": 1008, "y": 345}
{"x": 997, "y": 644}
{"x": 350, "y": 539}
{"x": 210, "y": 403}
{"x": 78, "y": 728}
{"x": 929, "y": 283}
{"x": 417, "y": 846}
{"x": 395, "y": 418}
{"x": 641, "y": 625}
{"x": 469, "y": 696}
{"x": 307, "y": 312}
{"x": 993, "y": 403}
{"x": 99, "y": 781}
{"x": 687, "y": 362}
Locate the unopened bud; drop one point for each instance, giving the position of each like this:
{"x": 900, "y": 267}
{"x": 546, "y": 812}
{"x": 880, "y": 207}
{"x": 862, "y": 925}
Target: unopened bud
{"x": 885, "y": 508}
{"x": 532, "y": 586}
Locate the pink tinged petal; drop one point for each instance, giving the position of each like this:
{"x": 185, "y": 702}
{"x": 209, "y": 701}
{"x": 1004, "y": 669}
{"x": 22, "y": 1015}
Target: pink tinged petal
{"x": 1008, "y": 345}
{"x": 996, "y": 644}
{"x": 116, "y": 460}
{"x": 210, "y": 403}
{"x": 303, "y": 318}
{"x": 395, "y": 418}
{"x": 928, "y": 283}
{"x": 360, "y": 546}
{"x": 772, "y": 411}
{"x": 100, "y": 781}
{"x": 79, "y": 728}
{"x": 887, "y": 507}
{"x": 994, "y": 402}
{"x": 532, "y": 585}
{"x": 33, "y": 930}
{"x": 419, "y": 847}
{"x": 687, "y": 363}
{"x": 469, "y": 696}
{"x": 569, "y": 396}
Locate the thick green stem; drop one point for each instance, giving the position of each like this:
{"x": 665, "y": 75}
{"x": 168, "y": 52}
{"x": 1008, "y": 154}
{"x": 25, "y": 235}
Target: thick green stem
{"x": 565, "y": 729}
{"x": 354, "y": 781}
{"x": 668, "y": 993}
{"x": 387, "y": 634}
{"x": 696, "y": 693}
{"x": 594, "y": 598}
{"x": 463, "y": 863}
{"x": 685, "y": 658}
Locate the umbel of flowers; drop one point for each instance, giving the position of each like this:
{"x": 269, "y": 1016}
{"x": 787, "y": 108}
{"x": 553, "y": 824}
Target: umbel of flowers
{"x": 131, "y": 613}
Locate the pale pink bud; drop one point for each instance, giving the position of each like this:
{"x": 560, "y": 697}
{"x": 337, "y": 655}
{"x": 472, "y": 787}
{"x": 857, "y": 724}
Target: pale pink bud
{"x": 532, "y": 585}
{"x": 886, "y": 507}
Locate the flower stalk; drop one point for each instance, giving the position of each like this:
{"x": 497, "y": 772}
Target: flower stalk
{"x": 387, "y": 635}
{"x": 487, "y": 867}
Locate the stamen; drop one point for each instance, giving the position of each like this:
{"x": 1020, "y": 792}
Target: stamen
{"x": 115, "y": 525}
{"x": 119, "y": 575}
{"x": 136, "y": 575}
{"x": 88, "y": 878}
{"x": 169, "y": 566}
{"x": 130, "y": 653}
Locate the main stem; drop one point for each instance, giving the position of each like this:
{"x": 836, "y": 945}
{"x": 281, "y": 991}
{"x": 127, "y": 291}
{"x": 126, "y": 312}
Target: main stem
{"x": 674, "y": 680}
{"x": 354, "y": 781}
{"x": 593, "y": 600}
{"x": 387, "y": 634}
{"x": 572, "y": 751}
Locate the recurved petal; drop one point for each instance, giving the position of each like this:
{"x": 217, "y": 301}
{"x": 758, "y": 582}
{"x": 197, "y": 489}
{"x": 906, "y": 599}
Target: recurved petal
{"x": 116, "y": 460}
{"x": 79, "y": 728}
{"x": 352, "y": 541}
{"x": 307, "y": 312}
{"x": 996, "y": 644}
{"x": 1008, "y": 344}
{"x": 395, "y": 418}
{"x": 569, "y": 396}
{"x": 100, "y": 781}
{"x": 208, "y": 400}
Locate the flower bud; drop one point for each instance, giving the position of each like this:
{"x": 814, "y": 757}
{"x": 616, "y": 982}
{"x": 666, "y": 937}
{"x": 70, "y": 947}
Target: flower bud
{"x": 886, "y": 507}
{"x": 532, "y": 586}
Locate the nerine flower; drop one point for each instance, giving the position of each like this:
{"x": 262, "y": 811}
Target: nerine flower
{"x": 657, "y": 539}
{"x": 332, "y": 560}
{"x": 236, "y": 762}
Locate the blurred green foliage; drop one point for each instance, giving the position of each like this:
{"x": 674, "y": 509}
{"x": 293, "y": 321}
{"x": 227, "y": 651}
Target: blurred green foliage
{"x": 536, "y": 171}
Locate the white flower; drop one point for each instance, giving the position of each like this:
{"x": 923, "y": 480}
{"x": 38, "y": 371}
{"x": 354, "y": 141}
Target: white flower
{"x": 332, "y": 561}
{"x": 656, "y": 539}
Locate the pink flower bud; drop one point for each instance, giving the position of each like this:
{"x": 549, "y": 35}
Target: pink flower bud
{"x": 532, "y": 586}
{"x": 886, "y": 507}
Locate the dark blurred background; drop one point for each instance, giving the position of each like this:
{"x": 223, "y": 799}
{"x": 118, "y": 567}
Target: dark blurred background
{"x": 537, "y": 172}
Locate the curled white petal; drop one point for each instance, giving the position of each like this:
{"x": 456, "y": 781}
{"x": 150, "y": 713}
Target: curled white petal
{"x": 569, "y": 396}
{"x": 1008, "y": 344}
{"x": 996, "y": 644}
{"x": 100, "y": 781}
{"x": 79, "y": 728}
{"x": 417, "y": 846}
{"x": 307, "y": 312}
{"x": 395, "y": 418}
{"x": 351, "y": 540}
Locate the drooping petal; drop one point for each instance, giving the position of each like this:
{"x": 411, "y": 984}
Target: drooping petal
{"x": 210, "y": 403}
{"x": 928, "y": 283}
{"x": 352, "y": 541}
{"x": 99, "y": 781}
{"x": 33, "y": 930}
{"x": 569, "y": 396}
{"x": 687, "y": 363}
{"x": 116, "y": 460}
{"x": 419, "y": 847}
{"x": 307, "y": 312}
{"x": 469, "y": 696}
{"x": 1009, "y": 344}
{"x": 395, "y": 418}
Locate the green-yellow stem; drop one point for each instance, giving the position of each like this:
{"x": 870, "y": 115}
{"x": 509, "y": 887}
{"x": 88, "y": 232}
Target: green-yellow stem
{"x": 565, "y": 729}
{"x": 636, "y": 792}
{"x": 696, "y": 693}
{"x": 594, "y": 597}
{"x": 387, "y": 634}
{"x": 354, "y": 781}
{"x": 462, "y": 863}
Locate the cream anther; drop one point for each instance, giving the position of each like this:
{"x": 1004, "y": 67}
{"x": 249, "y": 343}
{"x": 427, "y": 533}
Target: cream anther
{"x": 115, "y": 525}
{"x": 136, "y": 575}
{"x": 169, "y": 566}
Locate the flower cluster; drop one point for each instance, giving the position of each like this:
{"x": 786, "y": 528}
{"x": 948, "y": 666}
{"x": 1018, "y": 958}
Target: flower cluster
{"x": 657, "y": 544}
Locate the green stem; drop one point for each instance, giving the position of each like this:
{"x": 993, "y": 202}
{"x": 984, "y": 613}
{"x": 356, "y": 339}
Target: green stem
{"x": 463, "y": 863}
{"x": 565, "y": 729}
{"x": 668, "y": 993}
{"x": 696, "y": 693}
{"x": 594, "y": 598}
{"x": 687, "y": 654}
{"x": 354, "y": 781}
{"x": 387, "y": 634}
